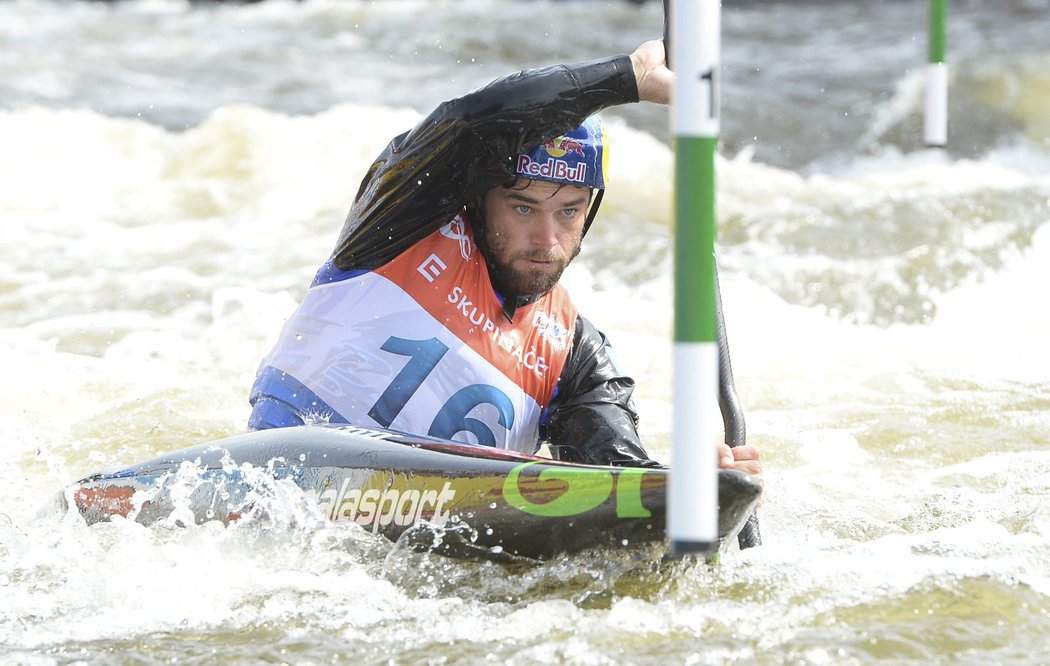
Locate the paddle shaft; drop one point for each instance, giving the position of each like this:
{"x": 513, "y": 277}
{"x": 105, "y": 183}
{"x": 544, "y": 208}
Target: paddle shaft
{"x": 732, "y": 414}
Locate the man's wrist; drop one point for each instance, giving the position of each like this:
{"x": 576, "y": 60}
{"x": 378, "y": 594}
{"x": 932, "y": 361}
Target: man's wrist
{"x": 607, "y": 82}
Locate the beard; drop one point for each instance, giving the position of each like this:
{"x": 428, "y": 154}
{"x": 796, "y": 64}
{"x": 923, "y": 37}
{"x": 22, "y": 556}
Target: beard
{"x": 525, "y": 279}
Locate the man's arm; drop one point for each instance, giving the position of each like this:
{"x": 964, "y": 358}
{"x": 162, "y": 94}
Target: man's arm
{"x": 467, "y": 146}
{"x": 592, "y": 419}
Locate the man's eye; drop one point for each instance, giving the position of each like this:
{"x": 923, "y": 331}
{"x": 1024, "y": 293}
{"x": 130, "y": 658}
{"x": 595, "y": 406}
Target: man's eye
{"x": 523, "y": 209}
{"x": 570, "y": 212}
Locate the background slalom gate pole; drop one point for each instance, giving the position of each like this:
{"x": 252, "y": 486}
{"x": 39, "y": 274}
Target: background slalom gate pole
{"x": 692, "y": 521}
{"x": 935, "y": 126}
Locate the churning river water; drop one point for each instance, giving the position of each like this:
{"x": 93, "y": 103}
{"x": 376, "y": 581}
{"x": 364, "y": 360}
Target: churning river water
{"x": 171, "y": 175}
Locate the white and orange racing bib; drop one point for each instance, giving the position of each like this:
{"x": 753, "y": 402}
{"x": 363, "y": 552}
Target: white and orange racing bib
{"x": 422, "y": 345}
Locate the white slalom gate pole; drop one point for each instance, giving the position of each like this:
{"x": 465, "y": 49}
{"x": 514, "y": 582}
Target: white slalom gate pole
{"x": 692, "y": 521}
{"x": 935, "y": 126}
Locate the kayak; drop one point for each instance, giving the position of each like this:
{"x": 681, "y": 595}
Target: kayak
{"x": 429, "y": 494}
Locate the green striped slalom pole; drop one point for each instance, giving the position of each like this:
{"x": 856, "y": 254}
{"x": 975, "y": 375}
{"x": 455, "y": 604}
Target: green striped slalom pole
{"x": 692, "y": 520}
{"x": 935, "y": 127}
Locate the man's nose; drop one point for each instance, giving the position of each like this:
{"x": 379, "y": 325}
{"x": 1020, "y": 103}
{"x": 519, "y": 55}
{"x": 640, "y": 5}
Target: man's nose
{"x": 545, "y": 233}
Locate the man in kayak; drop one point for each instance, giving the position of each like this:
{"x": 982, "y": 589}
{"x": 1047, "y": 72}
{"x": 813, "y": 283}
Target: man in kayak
{"x": 440, "y": 312}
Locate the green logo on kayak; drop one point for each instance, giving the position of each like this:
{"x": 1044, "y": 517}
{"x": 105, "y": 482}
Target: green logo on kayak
{"x": 587, "y": 489}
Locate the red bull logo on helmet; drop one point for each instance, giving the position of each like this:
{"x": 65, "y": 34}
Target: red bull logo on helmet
{"x": 560, "y": 146}
{"x": 576, "y": 157}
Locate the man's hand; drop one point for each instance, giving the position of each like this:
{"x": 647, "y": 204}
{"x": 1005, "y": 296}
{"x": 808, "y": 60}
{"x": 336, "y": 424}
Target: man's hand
{"x": 742, "y": 458}
{"x": 655, "y": 81}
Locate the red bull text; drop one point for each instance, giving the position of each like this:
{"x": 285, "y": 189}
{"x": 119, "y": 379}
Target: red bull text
{"x": 553, "y": 168}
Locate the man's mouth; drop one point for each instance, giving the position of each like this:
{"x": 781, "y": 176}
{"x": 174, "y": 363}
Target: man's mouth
{"x": 543, "y": 260}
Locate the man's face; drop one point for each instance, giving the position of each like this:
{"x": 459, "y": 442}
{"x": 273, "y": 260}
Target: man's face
{"x": 533, "y": 231}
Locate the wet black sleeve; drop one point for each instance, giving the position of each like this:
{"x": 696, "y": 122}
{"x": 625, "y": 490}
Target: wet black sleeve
{"x": 592, "y": 418}
{"x": 466, "y": 146}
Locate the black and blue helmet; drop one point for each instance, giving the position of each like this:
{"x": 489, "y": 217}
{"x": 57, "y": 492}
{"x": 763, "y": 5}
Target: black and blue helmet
{"x": 579, "y": 157}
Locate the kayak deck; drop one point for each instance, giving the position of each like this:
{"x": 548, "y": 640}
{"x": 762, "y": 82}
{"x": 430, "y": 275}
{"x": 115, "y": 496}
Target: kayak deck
{"x": 456, "y": 499}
